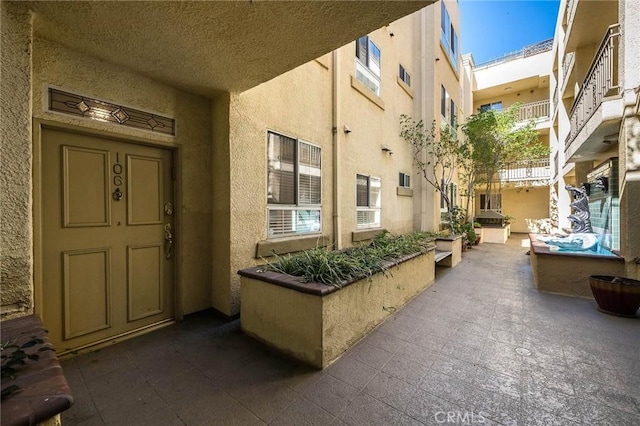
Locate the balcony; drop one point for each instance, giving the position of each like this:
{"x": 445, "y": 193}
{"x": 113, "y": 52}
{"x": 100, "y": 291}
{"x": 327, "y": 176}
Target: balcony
{"x": 599, "y": 87}
{"x": 568, "y": 67}
{"x": 538, "y": 111}
{"x": 525, "y": 52}
{"x": 521, "y": 171}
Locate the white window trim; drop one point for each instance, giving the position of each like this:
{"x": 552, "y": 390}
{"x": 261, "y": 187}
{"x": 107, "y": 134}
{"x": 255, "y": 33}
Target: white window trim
{"x": 365, "y": 74}
{"x": 377, "y": 210}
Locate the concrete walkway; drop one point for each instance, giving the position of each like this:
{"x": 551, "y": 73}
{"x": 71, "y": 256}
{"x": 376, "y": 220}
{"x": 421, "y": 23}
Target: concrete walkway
{"x": 481, "y": 346}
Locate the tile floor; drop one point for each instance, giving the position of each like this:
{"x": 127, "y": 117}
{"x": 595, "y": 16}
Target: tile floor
{"x": 481, "y": 346}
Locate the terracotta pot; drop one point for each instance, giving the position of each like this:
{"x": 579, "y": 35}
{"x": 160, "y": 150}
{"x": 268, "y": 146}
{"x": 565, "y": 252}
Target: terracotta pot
{"x": 616, "y": 295}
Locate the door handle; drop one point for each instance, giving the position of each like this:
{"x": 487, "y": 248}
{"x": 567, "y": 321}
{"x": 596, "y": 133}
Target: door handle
{"x": 168, "y": 238}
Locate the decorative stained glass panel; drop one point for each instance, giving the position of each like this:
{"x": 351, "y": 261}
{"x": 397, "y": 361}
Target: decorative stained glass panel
{"x": 95, "y": 109}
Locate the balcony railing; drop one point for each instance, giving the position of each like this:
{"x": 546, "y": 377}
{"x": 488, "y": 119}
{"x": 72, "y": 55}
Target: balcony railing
{"x": 601, "y": 81}
{"x": 555, "y": 99}
{"x": 521, "y": 171}
{"x": 540, "y": 47}
{"x": 567, "y": 62}
{"x": 571, "y": 10}
{"x": 534, "y": 111}
{"x": 533, "y": 49}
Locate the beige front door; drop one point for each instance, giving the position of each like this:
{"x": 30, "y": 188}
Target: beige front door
{"x": 108, "y": 225}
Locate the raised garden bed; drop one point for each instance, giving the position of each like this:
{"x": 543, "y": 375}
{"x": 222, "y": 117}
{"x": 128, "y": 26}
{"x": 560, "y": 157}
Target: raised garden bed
{"x": 317, "y": 322}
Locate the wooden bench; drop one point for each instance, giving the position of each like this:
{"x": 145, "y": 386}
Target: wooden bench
{"x": 43, "y": 392}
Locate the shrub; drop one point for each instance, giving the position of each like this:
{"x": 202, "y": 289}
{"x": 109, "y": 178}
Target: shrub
{"x": 337, "y": 268}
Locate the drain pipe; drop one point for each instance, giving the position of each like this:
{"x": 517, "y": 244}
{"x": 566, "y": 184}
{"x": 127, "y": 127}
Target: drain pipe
{"x": 335, "y": 99}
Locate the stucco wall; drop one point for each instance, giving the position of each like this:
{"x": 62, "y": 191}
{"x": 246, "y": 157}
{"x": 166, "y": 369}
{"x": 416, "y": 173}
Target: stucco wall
{"x": 371, "y": 127}
{"x": 16, "y": 256}
{"x": 295, "y": 104}
{"x": 536, "y": 65}
{"x": 528, "y": 203}
{"x": 58, "y": 66}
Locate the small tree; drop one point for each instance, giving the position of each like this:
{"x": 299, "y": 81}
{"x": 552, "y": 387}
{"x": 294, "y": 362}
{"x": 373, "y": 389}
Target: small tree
{"x": 497, "y": 138}
{"x": 437, "y": 154}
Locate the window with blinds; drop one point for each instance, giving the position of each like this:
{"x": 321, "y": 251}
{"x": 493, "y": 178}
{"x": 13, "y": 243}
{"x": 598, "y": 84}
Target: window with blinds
{"x": 368, "y": 202}
{"x": 294, "y": 186}
{"x": 404, "y": 75}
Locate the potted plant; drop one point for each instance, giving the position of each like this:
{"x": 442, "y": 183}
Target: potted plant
{"x": 616, "y": 295}
{"x": 477, "y": 227}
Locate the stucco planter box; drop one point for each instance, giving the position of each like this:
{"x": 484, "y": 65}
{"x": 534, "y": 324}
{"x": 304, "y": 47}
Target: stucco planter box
{"x": 496, "y": 234}
{"x": 315, "y": 322}
{"x": 451, "y": 244}
{"x": 568, "y": 273}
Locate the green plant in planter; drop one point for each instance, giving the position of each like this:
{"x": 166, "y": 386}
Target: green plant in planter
{"x": 339, "y": 267}
{"x": 462, "y": 227}
{"x": 509, "y": 219}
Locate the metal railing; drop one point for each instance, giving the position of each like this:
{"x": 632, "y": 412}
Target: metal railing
{"x": 571, "y": 10}
{"x": 567, "y": 62}
{"x": 540, "y": 47}
{"x": 533, "y": 110}
{"x": 520, "y": 171}
{"x": 601, "y": 81}
{"x": 532, "y": 49}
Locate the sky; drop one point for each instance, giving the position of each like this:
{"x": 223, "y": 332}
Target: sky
{"x": 493, "y": 28}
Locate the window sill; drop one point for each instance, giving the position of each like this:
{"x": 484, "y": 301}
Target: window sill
{"x": 405, "y": 87}
{"x": 367, "y": 93}
{"x": 365, "y": 234}
{"x": 403, "y": 191}
{"x": 266, "y": 248}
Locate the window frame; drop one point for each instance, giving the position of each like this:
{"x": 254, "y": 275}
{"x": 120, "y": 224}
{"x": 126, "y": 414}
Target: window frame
{"x": 365, "y": 73}
{"x": 369, "y": 208}
{"x": 404, "y": 75}
{"x": 404, "y": 180}
{"x": 495, "y": 106}
{"x": 453, "y": 119}
{"x": 299, "y": 208}
{"x": 495, "y": 198}
{"x": 449, "y": 36}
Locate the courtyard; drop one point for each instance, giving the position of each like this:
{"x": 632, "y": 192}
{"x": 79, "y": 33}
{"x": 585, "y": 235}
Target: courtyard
{"x": 480, "y": 346}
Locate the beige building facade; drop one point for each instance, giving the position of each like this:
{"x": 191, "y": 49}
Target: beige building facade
{"x": 141, "y": 171}
{"x": 595, "y": 96}
{"x": 522, "y": 190}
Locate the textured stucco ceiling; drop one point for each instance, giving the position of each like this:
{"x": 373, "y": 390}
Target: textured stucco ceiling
{"x": 210, "y": 46}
